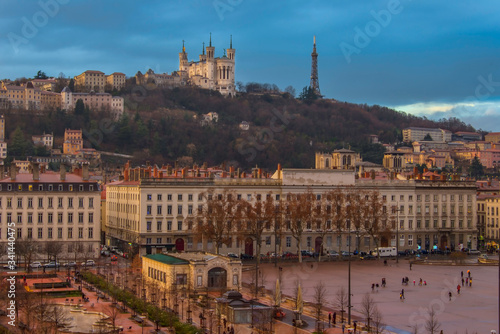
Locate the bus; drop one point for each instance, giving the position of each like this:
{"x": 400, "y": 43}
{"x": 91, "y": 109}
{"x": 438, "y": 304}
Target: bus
{"x": 385, "y": 251}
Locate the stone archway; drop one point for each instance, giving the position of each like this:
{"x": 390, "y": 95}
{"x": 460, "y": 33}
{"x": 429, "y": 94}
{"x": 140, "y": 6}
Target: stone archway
{"x": 318, "y": 247}
{"x": 179, "y": 245}
{"x": 384, "y": 242}
{"x": 217, "y": 278}
{"x": 249, "y": 246}
{"x": 444, "y": 242}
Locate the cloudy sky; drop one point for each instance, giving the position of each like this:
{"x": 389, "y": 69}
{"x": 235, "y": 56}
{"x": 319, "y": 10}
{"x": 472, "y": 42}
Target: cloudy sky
{"x": 433, "y": 58}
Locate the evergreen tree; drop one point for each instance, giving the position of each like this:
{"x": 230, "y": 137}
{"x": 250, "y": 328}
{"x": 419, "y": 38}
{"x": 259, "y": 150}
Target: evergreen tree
{"x": 18, "y": 146}
{"x": 476, "y": 168}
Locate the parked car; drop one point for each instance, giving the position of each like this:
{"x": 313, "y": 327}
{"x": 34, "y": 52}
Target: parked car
{"x": 367, "y": 256}
{"x": 10, "y": 266}
{"x": 344, "y": 253}
{"x": 474, "y": 252}
{"x": 402, "y": 253}
{"x": 89, "y": 263}
{"x": 234, "y": 256}
{"x": 332, "y": 253}
{"x": 52, "y": 264}
{"x": 307, "y": 253}
{"x": 119, "y": 252}
{"x": 36, "y": 264}
{"x": 70, "y": 264}
{"x": 288, "y": 254}
{"x": 105, "y": 253}
{"x": 246, "y": 257}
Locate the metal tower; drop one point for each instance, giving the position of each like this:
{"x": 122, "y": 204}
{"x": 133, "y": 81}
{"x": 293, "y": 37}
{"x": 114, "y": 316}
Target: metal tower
{"x": 314, "y": 70}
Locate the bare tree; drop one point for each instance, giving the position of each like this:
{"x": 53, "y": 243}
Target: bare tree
{"x": 319, "y": 299}
{"x": 258, "y": 216}
{"x": 298, "y": 213}
{"x": 323, "y": 215}
{"x": 341, "y": 300}
{"x": 368, "y": 307}
{"x": 26, "y": 248}
{"x": 375, "y": 216}
{"x": 339, "y": 214}
{"x": 378, "y": 324}
{"x": 432, "y": 324}
{"x": 57, "y": 316}
{"x": 112, "y": 313}
{"x": 356, "y": 201}
{"x": 53, "y": 250}
{"x": 216, "y": 217}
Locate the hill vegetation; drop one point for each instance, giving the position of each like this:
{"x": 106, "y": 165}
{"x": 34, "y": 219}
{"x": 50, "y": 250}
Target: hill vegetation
{"x": 167, "y": 125}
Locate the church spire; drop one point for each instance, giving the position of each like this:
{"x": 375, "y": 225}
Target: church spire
{"x": 210, "y": 39}
{"x": 203, "y": 49}
{"x": 231, "y": 42}
{"x": 183, "y": 47}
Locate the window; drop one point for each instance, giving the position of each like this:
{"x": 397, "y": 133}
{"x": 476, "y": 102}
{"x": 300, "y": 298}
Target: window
{"x": 158, "y": 226}
{"x": 190, "y": 209}
{"x": 9, "y": 217}
{"x": 158, "y": 240}
{"x": 393, "y": 198}
{"x": 9, "y": 202}
{"x": 19, "y": 203}
{"x": 443, "y": 198}
{"x": 401, "y": 224}
{"x": 435, "y": 223}
{"x": 91, "y": 232}
{"x": 91, "y": 203}
{"x": 80, "y": 202}
{"x": 419, "y": 224}
{"x": 70, "y": 217}
{"x": 452, "y": 223}
{"x": 50, "y": 202}
{"x": 59, "y": 218}
{"x": 435, "y": 209}
{"x": 460, "y": 223}
{"x": 59, "y": 202}
{"x": 288, "y": 242}
{"x": 19, "y": 218}
{"x": 70, "y": 233}
{"x": 410, "y": 209}
{"x": 19, "y": 233}
{"x": 59, "y": 232}
{"x": 40, "y": 202}
{"x": 410, "y": 240}
{"x": 169, "y": 225}
{"x": 30, "y": 202}
{"x": 148, "y": 210}
{"x": 419, "y": 198}
{"x": 169, "y": 197}
{"x": 70, "y": 202}
{"x": 158, "y": 210}
{"x": 148, "y": 241}
{"x": 40, "y": 233}
{"x": 179, "y": 197}
{"x": 158, "y": 197}
{"x": 249, "y": 197}
{"x": 149, "y": 197}
{"x": 30, "y": 218}
{"x": 80, "y": 233}
{"x": 181, "y": 279}
{"x": 91, "y": 217}
{"x": 427, "y": 209}
{"x": 40, "y": 217}
{"x": 169, "y": 210}
{"x": 30, "y": 233}
{"x": 179, "y": 209}
{"x": 268, "y": 241}
{"x": 443, "y": 223}
{"x": 148, "y": 226}
{"x": 179, "y": 225}
{"x": 452, "y": 197}
{"x": 308, "y": 242}
{"x": 427, "y": 223}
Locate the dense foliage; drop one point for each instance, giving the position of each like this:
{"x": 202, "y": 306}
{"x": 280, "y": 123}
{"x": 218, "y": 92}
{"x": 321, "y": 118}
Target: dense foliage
{"x": 165, "y": 125}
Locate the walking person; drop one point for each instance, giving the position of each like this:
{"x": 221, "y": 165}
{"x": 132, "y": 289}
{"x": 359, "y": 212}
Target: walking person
{"x": 466, "y": 281}
{"x": 462, "y": 274}
{"x": 403, "y": 293}
{"x": 470, "y": 282}
{"x": 458, "y": 289}
{"x": 334, "y": 318}
{"x": 468, "y": 273}
{"x": 329, "y": 319}
{"x": 449, "y": 295}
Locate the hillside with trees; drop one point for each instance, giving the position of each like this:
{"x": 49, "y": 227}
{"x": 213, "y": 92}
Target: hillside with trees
{"x": 167, "y": 125}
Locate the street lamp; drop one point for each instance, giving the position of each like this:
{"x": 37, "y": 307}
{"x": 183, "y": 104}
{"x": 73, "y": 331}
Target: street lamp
{"x": 397, "y": 231}
{"x": 349, "y": 272}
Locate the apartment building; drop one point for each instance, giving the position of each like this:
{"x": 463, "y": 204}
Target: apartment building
{"x": 94, "y": 101}
{"x": 46, "y": 139}
{"x": 73, "y": 141}
{"x": 116, "y": 80}
{"x": 3, "y": 143}
{"x": 155, "y": 209}
{"x": 60, "y": 208}
{"x": 90, "y": 81}
{"x": 418, "y": 134}
{"x": 492, "y": 137}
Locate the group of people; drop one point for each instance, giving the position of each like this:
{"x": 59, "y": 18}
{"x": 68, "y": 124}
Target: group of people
{"x": 332, "y": 318}
{"x": 467, "y": 281}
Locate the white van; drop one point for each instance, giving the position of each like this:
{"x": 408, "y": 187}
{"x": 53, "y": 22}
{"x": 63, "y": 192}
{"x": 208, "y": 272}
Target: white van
{"x": 384, "y": 251}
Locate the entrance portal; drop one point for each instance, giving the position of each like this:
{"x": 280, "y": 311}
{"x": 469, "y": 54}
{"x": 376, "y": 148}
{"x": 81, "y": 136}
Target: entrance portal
{"x": 444, "y": 242}
{"x": 384, "y": 242}
{"x": 249, "y": 246}
{"x": 217, "y": 278}
{"x": 318, "y": 247}
{"x": 179, "y": 244}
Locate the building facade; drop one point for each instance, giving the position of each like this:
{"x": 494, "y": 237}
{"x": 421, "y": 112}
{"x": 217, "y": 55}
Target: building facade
{"x": 418, "y": 134}
{"x": 156, "y": 210}
{"x": 90, "y": 81}
{"x": 73, "y": 141}
{"x": 94, "y": 101}
{"x": 46, "y": 139}
{"x": 51, "y": 208}
{"x": 116, "y": 80}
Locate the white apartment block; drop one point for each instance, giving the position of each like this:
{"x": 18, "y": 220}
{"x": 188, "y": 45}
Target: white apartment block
{"x": 155, "y": 210}
{"x": 55, "y": 208}
{"x": 417, "y": 134}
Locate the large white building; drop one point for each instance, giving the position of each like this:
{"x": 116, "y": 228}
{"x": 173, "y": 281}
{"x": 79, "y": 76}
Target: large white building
{"x": 418, "y": 134}
{"x": 57, "y": 208}
{"x": 155, "y": 209}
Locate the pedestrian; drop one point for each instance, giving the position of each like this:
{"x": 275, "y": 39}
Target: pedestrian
{"x": 425, "y": 282}
{"x": 462, "y": 274}
{"x": 462, "y": 281}
{"x": 343, "y": 328}
{"x": 420, "y": 283}
{"x": 334, "y": 318}
{"x": 377, "y": 286}
{"x": 470, "y": 282}
{"x": 373, "y": 286}
{"x": 458, "y": 289}
{"x": 329, "y": 319}
{"x": 449, "y": 295}
{"x": 355, "y": 326}
{"x": 403, "y": 281}
{"x": 466, "y": 281}
{"x": 225, "y": 322}
{"x": 403, "y": 293}
{"x": 413, "y": 282}
{"x": 468, "y": 273}
{"x": 98, "y": 299}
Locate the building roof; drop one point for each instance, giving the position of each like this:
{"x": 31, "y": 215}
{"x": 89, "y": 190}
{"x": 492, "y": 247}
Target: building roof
{"x": 92, "y": 71}
{"x": 167, "y": 259}
{"x": 343, "y": 150}
{"x": 494, "y": 133}
{"x": 117, "y": 73}
{"x": 44, "y": 178}
{"x": 467, "y": 133}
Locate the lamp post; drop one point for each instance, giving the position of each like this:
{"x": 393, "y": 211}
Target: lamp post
{"x": 349, "y": 272}
{"x": 397, "y": 231}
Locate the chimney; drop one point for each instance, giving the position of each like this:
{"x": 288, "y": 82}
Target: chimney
{"x": 238, "y": 173}
{"x": 85, "y": 171}
{"x": 62, "y": 171}
{"x": 36, "y": 171}
{"x": 13, "y": 171}
{"x": 2, "y": 171}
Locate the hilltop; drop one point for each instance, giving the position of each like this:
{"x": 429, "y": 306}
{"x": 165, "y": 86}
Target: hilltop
{"x": 164, "y": 125}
